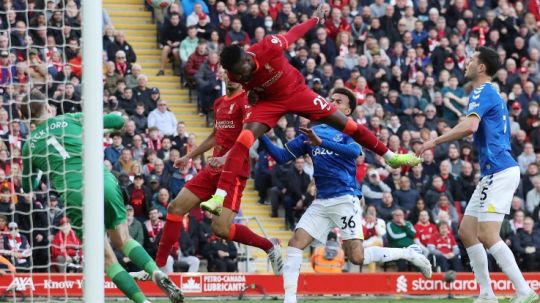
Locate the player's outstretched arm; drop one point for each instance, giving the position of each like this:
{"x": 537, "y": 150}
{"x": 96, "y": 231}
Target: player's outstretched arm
{"x": 299, "y": 30}
{"x": 463, "y": 129}
{"x": 279, "y": 154}
{"x": 346, "y": 150}
{"x": 113, "y": 121}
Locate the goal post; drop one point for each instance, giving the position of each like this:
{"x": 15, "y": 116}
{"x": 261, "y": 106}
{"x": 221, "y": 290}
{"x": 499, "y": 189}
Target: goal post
{"x": 92, "y": 95}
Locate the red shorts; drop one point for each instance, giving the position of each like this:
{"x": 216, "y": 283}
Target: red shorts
{"x": 205, "y": 183}
{"x": 303, "y": 102}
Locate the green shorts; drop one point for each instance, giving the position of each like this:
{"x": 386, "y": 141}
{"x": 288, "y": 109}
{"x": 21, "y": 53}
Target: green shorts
{"x": 115, "y": 211}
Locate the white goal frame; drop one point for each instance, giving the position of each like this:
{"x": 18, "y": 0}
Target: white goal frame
{"x": 92, "y": 96}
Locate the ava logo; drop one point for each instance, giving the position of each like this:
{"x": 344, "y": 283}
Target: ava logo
{"x": 401, "y": 284}
{"x": 191, "y": 284}
{"x": 21, "y": 284}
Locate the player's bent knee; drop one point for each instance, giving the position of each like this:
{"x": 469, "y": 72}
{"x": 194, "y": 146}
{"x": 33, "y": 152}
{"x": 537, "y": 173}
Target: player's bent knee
{"x": 221, "y": 230}
{"x": 357, "y": 259}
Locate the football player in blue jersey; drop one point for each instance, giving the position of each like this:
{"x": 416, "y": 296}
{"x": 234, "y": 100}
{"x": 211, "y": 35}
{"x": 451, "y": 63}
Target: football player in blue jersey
{"x": 334, "y": 157}
{"x": 487, "y": 118}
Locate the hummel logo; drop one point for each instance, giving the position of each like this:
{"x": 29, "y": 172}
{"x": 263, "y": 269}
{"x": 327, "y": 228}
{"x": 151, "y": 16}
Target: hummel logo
{"x": 475, "y": 97}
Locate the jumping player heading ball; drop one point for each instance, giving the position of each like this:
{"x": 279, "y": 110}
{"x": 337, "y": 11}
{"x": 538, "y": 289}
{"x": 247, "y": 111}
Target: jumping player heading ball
{"x": 275, "y": 88}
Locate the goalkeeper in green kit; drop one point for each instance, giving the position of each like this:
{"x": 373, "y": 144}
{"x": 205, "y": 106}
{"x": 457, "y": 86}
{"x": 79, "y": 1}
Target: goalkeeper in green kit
{"x": 55, "y": 146}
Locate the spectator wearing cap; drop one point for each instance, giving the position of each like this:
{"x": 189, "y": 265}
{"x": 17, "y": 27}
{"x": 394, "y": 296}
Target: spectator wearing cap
{"x": 236, "y": 35}
{"x": 138, "y": 195}
{"x": 373, "y": 188}
{"x": 18, "y": 247}
{"x": 204, "y": 27}
{"x": 318, "y": 87}
{"x": 135, "y": 227}
{"x": 122, "y": 66}
{"x": 113, "y": 152}
{"x": 66, "y": 248}
{"x": 163, "y": 119}
{"x": 171, "y": 34}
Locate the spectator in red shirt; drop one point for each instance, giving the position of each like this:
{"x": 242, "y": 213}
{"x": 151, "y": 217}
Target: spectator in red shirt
{"x": 66, "y": 247}
{"x": 275, "y": 6}
{"x": 425, "y": 231}
{"x": 336, "y": 24}
{"x": 153, "y": 225}
{"x": 139, "y": 196}
{"x": 445, "y": 249}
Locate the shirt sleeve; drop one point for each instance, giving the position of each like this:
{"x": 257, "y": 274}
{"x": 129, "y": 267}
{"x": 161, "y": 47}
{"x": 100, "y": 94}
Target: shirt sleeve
{"x": 479, "y": 104}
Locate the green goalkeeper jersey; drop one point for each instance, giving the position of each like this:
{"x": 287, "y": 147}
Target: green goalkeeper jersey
{"x": 55, "y": 148}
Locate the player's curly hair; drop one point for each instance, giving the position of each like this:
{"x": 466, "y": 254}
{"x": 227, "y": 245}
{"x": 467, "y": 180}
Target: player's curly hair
{"x": 350, "y": 95}
{"x": 489, "y": 57}
{"x": 230, "y": 55}
{"x": 33, "y": 105}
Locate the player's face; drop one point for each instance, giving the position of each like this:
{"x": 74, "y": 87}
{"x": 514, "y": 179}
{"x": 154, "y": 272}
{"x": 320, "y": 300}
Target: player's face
{"x": 341, "y": 102}
{"x": 242, "y": 71}
{"x": 471, "y": 71}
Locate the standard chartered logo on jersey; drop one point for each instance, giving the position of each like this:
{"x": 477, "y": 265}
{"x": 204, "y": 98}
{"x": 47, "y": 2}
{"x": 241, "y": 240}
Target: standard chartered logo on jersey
{"x": 401, "y": 284}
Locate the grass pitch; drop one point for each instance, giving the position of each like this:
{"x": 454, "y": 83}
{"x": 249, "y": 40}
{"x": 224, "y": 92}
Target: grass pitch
{"x": 336, "y": 300}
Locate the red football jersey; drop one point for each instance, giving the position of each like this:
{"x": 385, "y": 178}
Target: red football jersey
{"x": 444, "y": 244}
{"x": 425, "y": 232}
{"x": 274, "y": 77}
{"x": 229, "y": 113}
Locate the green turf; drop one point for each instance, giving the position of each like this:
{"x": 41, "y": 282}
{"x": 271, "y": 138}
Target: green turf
{"x": 360, "y": 300}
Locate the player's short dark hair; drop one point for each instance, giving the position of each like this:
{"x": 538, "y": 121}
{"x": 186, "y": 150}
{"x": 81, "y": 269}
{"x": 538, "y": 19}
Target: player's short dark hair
{"x": 33, "y": 105}
{"x": 350, "y": 95}
{"x": 230, "y": 55}
{"x": 489, "y": 57}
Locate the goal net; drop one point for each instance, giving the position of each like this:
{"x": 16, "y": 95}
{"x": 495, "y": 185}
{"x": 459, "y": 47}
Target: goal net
{"x": 41, "y": 163}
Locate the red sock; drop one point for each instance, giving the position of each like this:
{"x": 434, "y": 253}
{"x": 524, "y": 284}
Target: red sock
{"x": 242, "y": 234}
{"x": 364, "y": 137}
{"x": 171, "y": 234}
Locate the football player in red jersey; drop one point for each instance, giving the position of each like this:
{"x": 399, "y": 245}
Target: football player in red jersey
{"x": 230, "y": 111}
{"x": 275, "y": 88}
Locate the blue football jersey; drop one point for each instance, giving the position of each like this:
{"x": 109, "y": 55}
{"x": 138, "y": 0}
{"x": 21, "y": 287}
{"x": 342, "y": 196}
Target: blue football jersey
{"x": 492, "y": 139}
{"x": 334, "y": 174}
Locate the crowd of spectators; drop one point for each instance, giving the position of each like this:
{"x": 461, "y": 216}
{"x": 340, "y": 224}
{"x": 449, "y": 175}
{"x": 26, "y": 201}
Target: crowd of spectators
{"x": 404, "y": 60}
